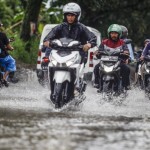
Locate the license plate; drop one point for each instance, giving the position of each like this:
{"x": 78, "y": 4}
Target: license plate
{"x": 109, "y": 58}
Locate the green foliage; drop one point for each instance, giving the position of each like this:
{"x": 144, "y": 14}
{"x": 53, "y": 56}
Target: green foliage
{"x": 25, "y": 52}
{"x": 6, "y": 14}
{"x": 52, "y": 15}
{"x": 99, "y": 14}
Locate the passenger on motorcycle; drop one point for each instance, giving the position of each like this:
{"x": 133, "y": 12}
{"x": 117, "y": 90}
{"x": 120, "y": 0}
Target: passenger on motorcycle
{"x": 114, "y": 41}
{"x": 145, "y": 53}
{"x": 72, "y": 28}
{"x": 124, "y": 32}
{"x": 127, "y": 41}
{"x": 139, "y": 61}
{"x": 6, "y": 60}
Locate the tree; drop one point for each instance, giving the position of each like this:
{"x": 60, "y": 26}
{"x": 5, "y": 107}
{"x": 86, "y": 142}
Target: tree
{"x": 30, "y": 20}
{"x": 102, "y": 13}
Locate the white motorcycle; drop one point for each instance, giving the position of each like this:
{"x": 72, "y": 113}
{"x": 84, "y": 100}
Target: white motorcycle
{"x": 65, "y": 71}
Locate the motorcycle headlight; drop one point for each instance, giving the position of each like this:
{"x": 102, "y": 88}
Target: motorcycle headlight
{"x": 72, "y": 60}
{"x": 108, "y": 69}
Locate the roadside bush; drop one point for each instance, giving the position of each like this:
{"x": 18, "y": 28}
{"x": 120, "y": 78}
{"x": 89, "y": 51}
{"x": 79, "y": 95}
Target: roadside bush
{"x": 25, "y": 52}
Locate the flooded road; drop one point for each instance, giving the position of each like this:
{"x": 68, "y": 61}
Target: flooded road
{"x": 29, "y": 122}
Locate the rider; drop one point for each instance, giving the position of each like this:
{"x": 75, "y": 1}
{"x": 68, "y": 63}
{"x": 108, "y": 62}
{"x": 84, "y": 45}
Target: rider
{"x": 146, "y": 52}
{"x": 124, "y": 32}
{"x": 139, "y": 53}
{"x": 72, "y": 28}
{"x": 6, "y": 60}
{"x": 114, "y": 41}
{"x": 127, "y": 41}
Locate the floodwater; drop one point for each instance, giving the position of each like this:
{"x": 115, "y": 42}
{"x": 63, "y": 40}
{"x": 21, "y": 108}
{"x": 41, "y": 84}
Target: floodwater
{"x": 28, "y": 121}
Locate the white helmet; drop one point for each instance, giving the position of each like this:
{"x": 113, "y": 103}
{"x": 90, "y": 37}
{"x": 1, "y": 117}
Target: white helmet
{"x": 72, "y": 8}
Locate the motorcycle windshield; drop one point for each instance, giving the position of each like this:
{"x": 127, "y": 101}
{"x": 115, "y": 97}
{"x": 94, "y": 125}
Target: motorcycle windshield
{"x": 63, "y": 53}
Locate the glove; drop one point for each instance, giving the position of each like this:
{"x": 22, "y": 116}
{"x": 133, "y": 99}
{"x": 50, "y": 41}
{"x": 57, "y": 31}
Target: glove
{"x": 86, "y": 47}
{"x": 96, "y": 53}
{"x": 142, "y": 57}
{"x": 126, "y": 52}
{"x": 12, "y": 48}
{"x": 46, "y": 43}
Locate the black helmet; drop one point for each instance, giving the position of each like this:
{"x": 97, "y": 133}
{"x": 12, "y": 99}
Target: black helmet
{"x": 124, "y": 32}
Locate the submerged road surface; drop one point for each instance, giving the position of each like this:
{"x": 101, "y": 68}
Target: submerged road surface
{"x": 28, "y": 121}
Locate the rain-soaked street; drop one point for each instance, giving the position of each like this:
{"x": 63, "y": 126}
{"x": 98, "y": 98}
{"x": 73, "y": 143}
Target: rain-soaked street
{"x": 29, "y": 122}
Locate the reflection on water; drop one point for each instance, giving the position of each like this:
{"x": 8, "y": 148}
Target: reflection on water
{"x": 28, "y": 121}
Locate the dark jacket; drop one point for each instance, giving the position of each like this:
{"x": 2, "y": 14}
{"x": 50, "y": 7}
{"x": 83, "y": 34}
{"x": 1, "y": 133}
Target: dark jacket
{"x": 3, "y": 42}
{"x": 146, "y": 50}
{"x": 76, "y": 31}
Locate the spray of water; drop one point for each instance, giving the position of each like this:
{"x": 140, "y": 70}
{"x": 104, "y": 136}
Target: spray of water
{"x": 29, "y": 94}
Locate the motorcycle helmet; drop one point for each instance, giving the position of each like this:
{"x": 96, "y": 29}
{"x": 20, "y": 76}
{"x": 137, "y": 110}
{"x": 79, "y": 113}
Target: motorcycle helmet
{"x": 146, "y": 41}
{"x": 115, "y": 28}
{"x": 72, "y": 8}
{"x": 124, "y": 32}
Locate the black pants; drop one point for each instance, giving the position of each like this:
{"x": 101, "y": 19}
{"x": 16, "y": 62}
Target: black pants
{"x": 96, "y": 73}
{"x": 124, "y": 72}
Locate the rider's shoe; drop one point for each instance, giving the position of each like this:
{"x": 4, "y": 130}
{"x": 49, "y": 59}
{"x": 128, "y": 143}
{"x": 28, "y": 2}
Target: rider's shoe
{"x": 99, "y": 90}
{"x": 96, "y": 85}
{"x": 142, "y": 85}
{"x": 76, "y": 92}
{"x": 4, "y": 82}
{"x": 13, "y": 80}
{"x": 116, "y": 93}
{"x": 147, "y": 89}
{"x": 128, "y": 88}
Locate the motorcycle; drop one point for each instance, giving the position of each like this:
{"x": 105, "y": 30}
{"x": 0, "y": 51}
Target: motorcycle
{"x": 66, "y": 71}
{"x": 138, "y": 78}
{"x": 146, "y": 75}
{"x": 110, "y": 80}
